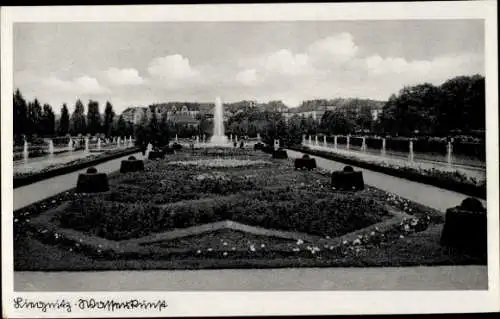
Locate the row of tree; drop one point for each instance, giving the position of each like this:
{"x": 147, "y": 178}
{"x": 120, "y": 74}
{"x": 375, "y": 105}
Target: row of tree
{"x": 31, "y": 119}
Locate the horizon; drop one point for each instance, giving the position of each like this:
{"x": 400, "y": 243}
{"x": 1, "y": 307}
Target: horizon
{"x": 131, "y": 64}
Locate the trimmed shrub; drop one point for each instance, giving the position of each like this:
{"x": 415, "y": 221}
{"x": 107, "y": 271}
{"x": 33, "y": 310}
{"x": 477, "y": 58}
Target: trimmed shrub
{"x": 177, "y": 146}
{"x": 280, "y": 154}
{"x": 92, "y": 182}
{"x": 305, "y": 162}
{"x": 91, "y": 170}
{"x": 348, "y": 179}
{"x": 168, "y": 150}
{"x": 258, "y": 146}
{"x": 155, "y": 155}
{"x": 465, "y": 228}
{"x": 131, "y": 165}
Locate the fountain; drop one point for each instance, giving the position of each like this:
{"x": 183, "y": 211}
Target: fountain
{"x": 411, "y": 151}
{"x": 197, "y": 139}
{"x": 98, "y": 144}
{"x": 335, "y": 142}
{"x": 363, "y": 144}
{"x": 449, "y": 151}
{"x": 25, "y": 150}
{"x": 324, "y": 141}
{"x": 118, "y": 142}
{"x": 218, "y": 137}
{"x": 51, "y": 147}
{"x": 303, "y": 139}
{"x": 86, "y": 144}
{"x": 70, "y": 144}
{"x": 383, "y": 146}
{"x": 310, "y": 140}
{"x": 258, "y": 136}
{"x": 348, "y": 141}
{"x": 316, "y": 140}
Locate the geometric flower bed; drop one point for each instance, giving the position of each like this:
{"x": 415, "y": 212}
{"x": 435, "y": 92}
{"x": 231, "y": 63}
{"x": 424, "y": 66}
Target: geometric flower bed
{"x": 254, "y": 208}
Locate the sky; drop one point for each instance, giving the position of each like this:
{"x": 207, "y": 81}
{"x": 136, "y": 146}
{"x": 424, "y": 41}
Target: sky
{"x": 139, "y": 63}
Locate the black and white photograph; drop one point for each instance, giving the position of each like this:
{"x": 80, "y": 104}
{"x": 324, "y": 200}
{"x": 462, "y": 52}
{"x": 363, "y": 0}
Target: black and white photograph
{"x": 158, "y": 157}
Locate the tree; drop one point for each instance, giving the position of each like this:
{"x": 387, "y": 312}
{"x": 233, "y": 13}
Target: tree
{"x": 20, "y": 114}
{"x": 78, "y": 125}
{"x": 164, "y": 130}
{"x": 109, "y": 114}
{"x": 121, "y": 127}
{"x": 64, "y": 121}
{"x": 48, "y": 121}
{"x": 35, "y": 117}
{"x": 93, "y": 118}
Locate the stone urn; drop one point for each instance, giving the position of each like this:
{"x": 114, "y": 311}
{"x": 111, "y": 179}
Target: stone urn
{"x": 92, "y": 182}
{"x": 131, "y": 165}
{"x": 348, "y": 179}
{"x": 465, "y": 227}
{"x": 305, "y": 162}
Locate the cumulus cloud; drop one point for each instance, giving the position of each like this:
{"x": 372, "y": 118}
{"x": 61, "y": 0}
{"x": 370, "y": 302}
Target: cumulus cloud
{"x": 123, "y": 77}
{"x": 333, "y": 66}
{"x": 247, "y": 77}
{"x": 173, "y": 70}
{"x": 336, "y": 49}
{"x": 80, "y": 85}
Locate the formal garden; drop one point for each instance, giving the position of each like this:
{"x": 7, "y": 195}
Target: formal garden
{"x": 228, "y": 208}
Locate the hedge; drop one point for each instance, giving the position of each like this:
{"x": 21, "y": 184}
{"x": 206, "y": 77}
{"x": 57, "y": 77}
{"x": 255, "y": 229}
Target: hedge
{"x": 467, "y": 189}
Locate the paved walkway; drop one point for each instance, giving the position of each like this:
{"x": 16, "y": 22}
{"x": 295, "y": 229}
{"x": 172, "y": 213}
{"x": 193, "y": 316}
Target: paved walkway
{"x": 403, "y": 278}
{"x": 29, "y": 194}
{"x": 428, "y": 195}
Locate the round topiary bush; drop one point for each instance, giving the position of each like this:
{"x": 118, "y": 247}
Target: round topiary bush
{"x": 472, "y": 204}
{"x": 305, "y": 156}
{"x": 258, "y": 146}
{"x": 131, "y": 165}
{"x": 155, "y": 155}
{"x": 168, "y": 150}
{"x": 91, "y": 170}
{"x": 280, "y": 154}
{"x": 177, "y": 146}
{"x": 348, "y": 180}
{"x": 305, "y": 162}
{"x": 465, "y": 228}
{"x": 92, "y": 182}
{"x": 348, "y": 169}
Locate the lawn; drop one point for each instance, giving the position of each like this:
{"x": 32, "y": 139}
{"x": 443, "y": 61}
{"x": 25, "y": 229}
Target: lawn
{"x": 217, "y": 208}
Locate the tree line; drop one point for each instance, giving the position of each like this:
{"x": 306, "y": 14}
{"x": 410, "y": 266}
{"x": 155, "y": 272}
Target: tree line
{"x": 456, "y": 107}
{"x": 31, "y": 120}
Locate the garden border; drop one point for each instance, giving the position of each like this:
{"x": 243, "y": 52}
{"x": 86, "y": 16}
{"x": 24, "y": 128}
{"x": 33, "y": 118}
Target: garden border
{"x": 36, "y": 177}
{"x": 143, "y": 247}
{"x": 470, "y": 190}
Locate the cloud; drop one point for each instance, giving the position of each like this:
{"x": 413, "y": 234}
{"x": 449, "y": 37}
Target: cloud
{"x": 333, "y": 66}
{"x": 123, "y": 77}
{"x": 247, "y": 77}
{"x": 80, "y": 85}
{"x": 336, "y": 49}
{"x": 173, "y": 71}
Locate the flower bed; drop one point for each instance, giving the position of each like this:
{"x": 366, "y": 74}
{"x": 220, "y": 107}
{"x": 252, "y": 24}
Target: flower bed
{"x": 275, "y": 197}
{"x": 448, "y": 179}
{"x": 50, "y": 171}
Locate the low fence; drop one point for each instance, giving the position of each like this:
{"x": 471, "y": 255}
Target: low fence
{"x": 425, "y": 148}
{"x": 47, "y": 147}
